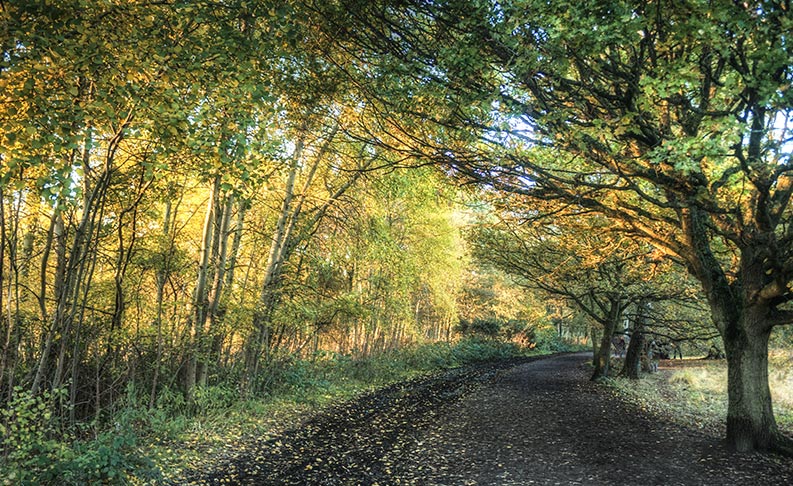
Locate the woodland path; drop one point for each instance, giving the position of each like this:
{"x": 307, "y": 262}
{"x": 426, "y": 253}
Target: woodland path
{"x": 514, "y": 423}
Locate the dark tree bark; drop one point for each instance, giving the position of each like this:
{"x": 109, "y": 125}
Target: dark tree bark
{"x": 632, "y": 365}
{"x": 750, "y": 418}
{"x": 603, "y": 353}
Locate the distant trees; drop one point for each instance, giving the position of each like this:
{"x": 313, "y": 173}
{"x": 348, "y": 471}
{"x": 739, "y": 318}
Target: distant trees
{"x": 79, "y": 152}
{"x": 386, "y": 268}
{"x": 575, "y": 256}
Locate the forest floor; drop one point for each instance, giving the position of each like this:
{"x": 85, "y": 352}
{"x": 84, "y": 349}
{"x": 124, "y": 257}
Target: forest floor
{"x": 520, "y": 422}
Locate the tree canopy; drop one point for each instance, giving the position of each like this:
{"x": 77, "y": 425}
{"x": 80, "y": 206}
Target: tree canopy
{"x": 670, "y": 120}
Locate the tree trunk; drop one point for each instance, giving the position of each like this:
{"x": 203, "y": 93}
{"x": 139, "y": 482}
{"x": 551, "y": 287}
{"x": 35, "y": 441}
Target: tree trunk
{"x": 750, "y": 417}
{"x": 268, "y": 297}
{"x": 595, "y": 344}
{"x": 56, "y": 235}
{"x": 632, "y": 365}
{"x": 744, "y": 311}
{"x": 7, "y": 340}
{"x": 219, "y": 238}
{"x": 198, "y": 311}
{"x": 216, "y": 292}
{"x": 603, "y": 354}
{"x": 161, "y": 278}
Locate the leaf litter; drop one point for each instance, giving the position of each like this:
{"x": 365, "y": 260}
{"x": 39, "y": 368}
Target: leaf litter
{"x": 515, "y": 422}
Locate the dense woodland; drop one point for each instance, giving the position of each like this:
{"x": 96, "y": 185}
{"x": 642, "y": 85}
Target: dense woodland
{"x": 192, "y": 211}
{"x": 191, "y": 192}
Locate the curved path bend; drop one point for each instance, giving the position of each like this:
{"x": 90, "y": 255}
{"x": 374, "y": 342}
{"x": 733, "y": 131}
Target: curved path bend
{"x": 539, "y": 422}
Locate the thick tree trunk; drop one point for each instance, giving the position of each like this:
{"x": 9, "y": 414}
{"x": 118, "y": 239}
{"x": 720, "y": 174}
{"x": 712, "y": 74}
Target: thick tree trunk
{"x": 603, "y": 354}
{"x": 745, "y": 314}
{"x": 750, "y": 417}
{"x": 632, "y": 365}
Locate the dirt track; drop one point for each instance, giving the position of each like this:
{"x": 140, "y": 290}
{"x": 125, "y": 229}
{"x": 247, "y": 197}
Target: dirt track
{"x": 513, "y": 423}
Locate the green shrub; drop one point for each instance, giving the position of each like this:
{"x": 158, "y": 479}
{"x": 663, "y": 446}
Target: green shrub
{"x": 215, "y": 397}
{"x": 112, "y": 458}
{"x": 480, "y": 327}
{"x": 474, "y": 350}
{"x": 30, "y": 451}
{"x": 171, "y": 402}
{"x": 548, "y": 340}
{"x": 543, "y": 337}
{"x": 35, "y": 451}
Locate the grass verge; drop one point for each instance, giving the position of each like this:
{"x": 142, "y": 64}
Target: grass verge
{"x": 693, "y": 392}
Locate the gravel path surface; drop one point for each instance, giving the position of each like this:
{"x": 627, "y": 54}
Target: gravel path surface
{"x": 538, "y": 422}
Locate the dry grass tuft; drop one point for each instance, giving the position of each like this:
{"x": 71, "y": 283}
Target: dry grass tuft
{"x": 684, "y": 378}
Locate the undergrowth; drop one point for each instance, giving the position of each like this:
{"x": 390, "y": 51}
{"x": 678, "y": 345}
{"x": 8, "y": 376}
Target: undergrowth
{"x": 147, "y": 446}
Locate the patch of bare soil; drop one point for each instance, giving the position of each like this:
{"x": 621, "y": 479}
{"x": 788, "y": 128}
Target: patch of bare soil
{"x": 508, "y": 423}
